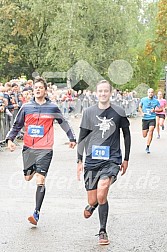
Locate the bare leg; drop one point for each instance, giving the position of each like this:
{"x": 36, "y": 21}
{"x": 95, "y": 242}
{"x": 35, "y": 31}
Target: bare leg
{"x": 157, "y": 125}
{"x": 161, "y": 122}
{"x": 92, "y": 201}
{"x": 145, "y": 132}
{"x": 29, "y": 177}
{"x": 150, "y": 135}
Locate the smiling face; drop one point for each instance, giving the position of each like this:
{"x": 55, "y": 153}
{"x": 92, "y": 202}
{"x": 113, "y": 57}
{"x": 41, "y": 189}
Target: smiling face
{"x": 103, "y": 93}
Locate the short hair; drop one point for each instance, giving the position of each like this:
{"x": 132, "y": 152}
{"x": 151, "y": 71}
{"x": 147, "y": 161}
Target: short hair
{"x": 8, "y": 84}
{"x": 14, "y": 85}
{"x": 150, "y": 89}
{"x": 29, "y": 81}
{"x": 102, "y": 82}
{"x": 42, "y": 80}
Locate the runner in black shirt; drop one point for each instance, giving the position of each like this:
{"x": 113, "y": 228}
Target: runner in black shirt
{"x": 100, "y": 138}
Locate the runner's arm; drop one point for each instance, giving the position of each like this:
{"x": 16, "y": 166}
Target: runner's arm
{"x": 158, "y": 109}
{"x": 127, "y": 142}
{"x": 64, "y": 125}
{"x": 140, "y": 109}
{"x": 17, "y": 125}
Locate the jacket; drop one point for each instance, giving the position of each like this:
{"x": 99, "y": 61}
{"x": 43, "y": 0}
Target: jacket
{"x": 38, "y": 122}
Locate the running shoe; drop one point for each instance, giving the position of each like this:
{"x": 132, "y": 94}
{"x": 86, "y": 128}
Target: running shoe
{"x": 158, "y": 137}
{"x": 147, "y": 150}
{"x": 33, "y": 219}
{"x": 103, "y": 238}
{"x": 88, "y": 211}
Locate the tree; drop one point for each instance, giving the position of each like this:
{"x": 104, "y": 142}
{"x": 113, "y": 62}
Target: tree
{"x": 52, "y": 36}
{"x": 148, "y": 60}
{"x": 98, "y": 32}
{"x": 24, "y": 35}
{"x": 161, "y": 31}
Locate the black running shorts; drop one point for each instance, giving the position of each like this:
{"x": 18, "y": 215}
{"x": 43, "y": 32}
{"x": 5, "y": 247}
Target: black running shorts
{"x": 37, "y": 160}
{"x": 161, "y": 116}
{"x": 147, "y": 123}
{"x": 92, "y": 177}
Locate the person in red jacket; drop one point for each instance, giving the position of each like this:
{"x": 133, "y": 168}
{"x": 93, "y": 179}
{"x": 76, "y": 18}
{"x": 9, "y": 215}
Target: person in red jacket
{"x": 37, "y": 117}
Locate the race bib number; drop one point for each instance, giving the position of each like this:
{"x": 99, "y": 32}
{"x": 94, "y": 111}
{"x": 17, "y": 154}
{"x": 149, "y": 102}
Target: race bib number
{"x": 100, "y": 152}
{"x": 148, "y": 111}
{"x": 35, "y": 131}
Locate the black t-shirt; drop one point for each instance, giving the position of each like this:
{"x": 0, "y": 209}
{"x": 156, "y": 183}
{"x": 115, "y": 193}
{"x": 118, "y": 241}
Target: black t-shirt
{"x": 104, "y": 127}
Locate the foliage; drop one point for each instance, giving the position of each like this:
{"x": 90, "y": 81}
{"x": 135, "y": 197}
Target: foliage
{"x": 52, "y": 36}
{"x": 161, "y": 31}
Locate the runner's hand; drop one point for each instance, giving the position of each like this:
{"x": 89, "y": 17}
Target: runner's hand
{"x": 72, "y": 145}
{"x": 11, "y": 145}
{"x": 124, "y": 167}
{"x": 79, "y": 170}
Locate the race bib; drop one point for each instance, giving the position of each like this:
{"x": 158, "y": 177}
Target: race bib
{"x": 100, "y": 152}
{"x": 148, "y": 111}
{"x": 35, "y": 131}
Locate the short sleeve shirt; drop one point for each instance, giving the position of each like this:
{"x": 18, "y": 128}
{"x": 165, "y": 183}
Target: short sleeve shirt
{"x": 163, "y": 105}
{"x": 147, "y": 105}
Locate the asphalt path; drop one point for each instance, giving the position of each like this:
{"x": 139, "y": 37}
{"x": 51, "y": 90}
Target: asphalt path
{"x": 137, "y": 201}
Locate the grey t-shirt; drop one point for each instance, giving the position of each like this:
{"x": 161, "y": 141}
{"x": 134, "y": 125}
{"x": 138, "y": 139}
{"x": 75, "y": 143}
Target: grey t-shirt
{"x": 104, "y": 137}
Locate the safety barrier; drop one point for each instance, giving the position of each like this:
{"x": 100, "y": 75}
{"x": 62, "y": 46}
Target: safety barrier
{"x": 68, "y": 108}
{"x": 6, "y": 122}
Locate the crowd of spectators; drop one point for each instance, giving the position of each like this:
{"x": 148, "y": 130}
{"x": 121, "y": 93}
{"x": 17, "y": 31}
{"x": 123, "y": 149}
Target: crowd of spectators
{"x": 15, "y": 93}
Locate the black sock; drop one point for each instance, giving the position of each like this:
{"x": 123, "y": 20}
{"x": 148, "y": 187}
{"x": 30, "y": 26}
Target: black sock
{"x": 103, "y": 215}
{"x": 148, "y": 146}
{"x": 40, "y": 193}
{"x": 95, "y": 205}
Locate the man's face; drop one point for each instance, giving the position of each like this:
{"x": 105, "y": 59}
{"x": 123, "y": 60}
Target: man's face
{"x": 39, "y": 90}
{"x": 103, "y": 93}
{"x": 150, "y": 93}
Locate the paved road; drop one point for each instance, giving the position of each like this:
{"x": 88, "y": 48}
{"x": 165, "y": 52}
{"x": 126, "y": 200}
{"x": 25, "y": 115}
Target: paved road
{"x": 138, "y": 202}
